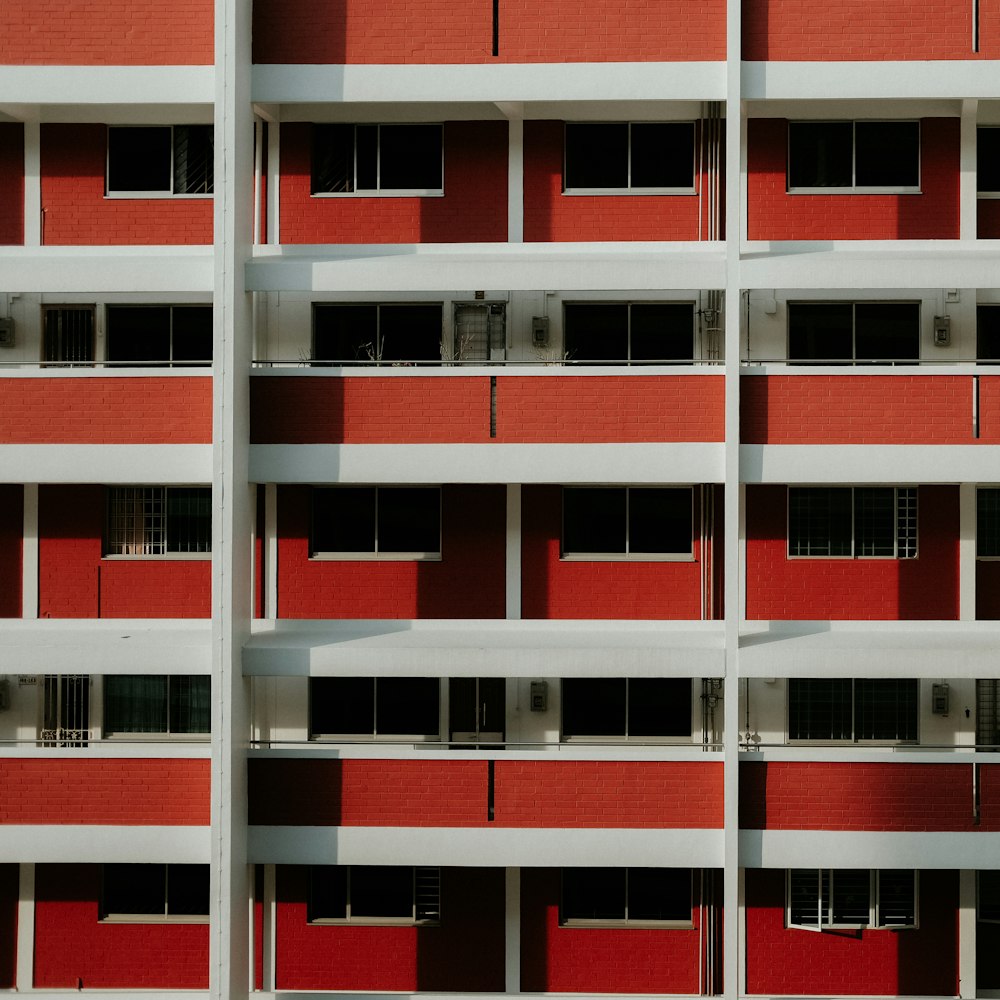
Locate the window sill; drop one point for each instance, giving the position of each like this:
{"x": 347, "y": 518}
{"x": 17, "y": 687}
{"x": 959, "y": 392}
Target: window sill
{"x": 624, "y": 741}
{"x": 154, "y": 196}
{"x": 628, "y": 192}
{"x": 164, "y": 557}
{"x": 375, "y": 557}
{"x": 627, "y": 557}
{"x": 125, "y": 737}
{"x": 679, "y": 925}
{"x": 371, "y": 922}
{"x": 393, "y": 193}
{"x": 153, "y": 918}
{"x": 792, "y": 558}
{"x": 853, "y": 190}
{"x": 370, "y": 738}
{"x": 988, "y": 196}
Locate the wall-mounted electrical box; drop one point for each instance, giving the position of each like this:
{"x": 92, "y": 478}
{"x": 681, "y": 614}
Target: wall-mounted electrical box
{"x": 6, "y": 333}
{"x": 942, "y": 331}
{"x": 939, "y": 699}
{"x": 539, "y": 331}
{"x": 539, "y": 696}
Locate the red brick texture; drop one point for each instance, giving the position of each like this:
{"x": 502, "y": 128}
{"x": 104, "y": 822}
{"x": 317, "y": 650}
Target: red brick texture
{"x": 106, "y": 33}
{"x": 558, "y": 959}
{"x": 9, "y": 883}
{"x": 457, "y": 31}
{"x": 531, "y": 794}
{"x": 118, "y": 410}
{"x": 473, "y": 208}
{"x": 774, "y": 214}
{"x": 552, "y": 588}
{"x": 895, "y": 30}
{"x": 74, "y": 948}
{"x": 11, "y": 549}
{"x": 76, "y": 212}
{"x": 918, "y": 962}
{"x": 551, "y": 216}
{"x": 866, "y": 409}
{"x": 75, "y": 582}
{"x": 781, "y": 588}
{"x": 11, "y": 181}
{"x": 464, "y": 954}
{"x": 118, "y": 792}
{"x": 467, "y": 582}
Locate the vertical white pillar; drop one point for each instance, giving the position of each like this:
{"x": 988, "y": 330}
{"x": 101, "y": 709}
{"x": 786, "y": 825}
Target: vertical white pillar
{"x": 273, "y": 182}
{"x": 967, "y": 552}
{"x": 32, "y": 184}
{"x": 269, "y": 909}
{"x": 513, "y": 564}
{"x": 967, "y": 934}
{"x": 270, "y": 550}
{"x": 258, "y": 164}
{"x": 512, "y": 930}
{"x": 25, "y": 976}
{"x": 515, "y": 180}
{"x": 29, "y": 552}
{"x": 967, "y": 200}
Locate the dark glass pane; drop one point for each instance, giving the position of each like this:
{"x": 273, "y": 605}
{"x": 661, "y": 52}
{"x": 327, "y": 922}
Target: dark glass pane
{"x": 593, "y": 706}
{"x": 328, "y": 892}
{"x": 805, "y": 896}
{"x": 819, "y": 709}
{"x": 596, "y": 156}
{"x": 190, "y": 704}
{"x": 463, "y": 705}
{"x": 187, "y": 890}
{"x": 988, "y": 332}
{"x": 381, "y": 891}
{"x": 137, "y": 334}
{"x": 135, "y": 704}
{"x": 410, "y": 333}
{"x": 139, "y": 159}
{"x": 366, "y": 163}
{"x": 409, "y": 519}
{"x": 663, "y": 154}
{"x": 492, "y": 699}
{"x": 659, "y": 707}
{"x": 332, "y": 159}
{"x": 896, "y": 901}
{"x": 189, "y": 519}
{"x": 989, "y": 895}
{"x": 820, "y": 331}
{"x": 194, "y": 159}
{"x": 988, "y": 522}
{"x": 342, "y": 706}
{"x": 659, "y": 520}
{"x": 345, "y": 333}
{"x": 988, "y": 159}
{"x": 134, "y": 889}
{"x": 407, "y": 706}
{"x": 885, "y": 710}
{"x": 887, "y": 331}
{"x": 874, "y": 521}
{"x": 820, "y": 521}
{"x": 819, "y": 154}
{"x": 887, "y": 154}
{"x": 661, "y": 332}
{"x": 410, "y": 157}
{"x": 593, "y": 894}
{"x": 851, "y": 896}
{"x": 659, "y": 894}
{"x": 343, "y": 519}
{"x": 596, "y": 332}
{"x": 594, "y": 520}
{"x": 192, "y": 333}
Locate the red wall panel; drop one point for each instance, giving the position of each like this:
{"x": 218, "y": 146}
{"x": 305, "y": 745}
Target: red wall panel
{"x": 457, "y": 31}
{"x": 551, "y": 216}
{"x": 107, "y": 33}
{"x": 75, "y": 582}
{"x": 11, "y": 549}
{"x": 473, "y": 208}
{"x": 920, "y": 962}
{"x": 106, "y": 410}
{"x": 119, "y": 792}
{"x": 552, "y": 588}
{"x": 74, "y": 949}
{"x": 464, "y": 954}
{"x": 860, "y": 589}
{"x": 773, "y": 214}
{"x": 9, "y": 886}
{"x": 558, "y": 959}
{"x": 11, "y": 180}
{"x": 989, "y": 408}
{"x": 467, "y": 582}
{"x": 76, "y": 212}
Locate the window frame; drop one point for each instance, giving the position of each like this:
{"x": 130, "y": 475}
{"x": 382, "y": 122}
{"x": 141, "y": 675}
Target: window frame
{"x": 375, "y": 736}
{"x": 169, "y": 362}
{"x": 131, "y": 736}
{"x": 994, "y": 493}
{"x": 854, "y": 188}
{"x": 626, "y": 738}
{"x": 158, "y": 193}
{"x": 377, "y": 345}
{"x": 986, "y": 194}
{"x": 875, "y": 905}
{"x": 104, "y": 916}
{"x": 628, "y": 189}
{"x": 61, "y": 311}
{"x": 853, "y": 360}
{"x": 628, "y": 305}
{"x": 415, "y": 920}
{"x": 994, "y": 890}
{"x": 854, "y": 739}
{"x": 110, "y": 532}
{"x": 624, "y": 922}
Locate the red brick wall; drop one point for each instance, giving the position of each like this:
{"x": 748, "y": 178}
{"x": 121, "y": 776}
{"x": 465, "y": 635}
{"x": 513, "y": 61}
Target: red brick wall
{"x": 773, "y": 214}
{"x": 73, "y": 947}
{"x": 11, "y": 549}
{"x": 797, "y": 30}
{"x": 988, "y": 219}
{"x": 75, "y": 582}
{"x": 11, "y": 181}
{"x": 988, "y": 591}
{"x": 989, "y": 408}
{"x": 9, "y": 883}
{"x": 860, "y": 589}
{"x": 920, "y": 962}
{"x": 552, "y": 588}
{"x": 106, "y": 33}
{"x": 110, "y": 792}
{"x": 468, "y": 581}
{"x": 457, "y": 31}
{"x": 549, "y": 215}
{"x": 76, "y": 212}
{"x": 464, "y": 954}
{"x": 558, "y": 959}
{"x": 117, "y": 410}
{"x": 473, "y": 208}
{"x": 860, "y": 409}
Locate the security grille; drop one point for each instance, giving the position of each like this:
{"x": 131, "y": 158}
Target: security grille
{"x": 427, "y": 894}
{"x": 156, "y": 520}
{"x": 988, "y": 713}
{"x": 65, "y": 710}
{"x": 194, "y": 159}
{"x": 68, "y": 335}
{"x": 480, "y": 332}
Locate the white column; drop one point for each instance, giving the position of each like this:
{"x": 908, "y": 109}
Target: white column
{"x": 29, "y": 552}
{"x": 967, "y": 203}
{"x": 270, "y": 550}
{"x": 25, "y": 976}
{"x": 515, "y": 180}
{"x": 269, "y": 907}
{"x": 966, "y": 934}
{"x": 32, "y": 184}
{"x": 273, "y": 182}
{"x": 513, "y": 563}
{"x": 512, "y": 930}
{"x": 967, "y": 552}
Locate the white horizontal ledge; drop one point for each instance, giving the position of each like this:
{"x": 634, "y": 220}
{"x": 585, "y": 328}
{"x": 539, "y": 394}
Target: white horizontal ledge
{"x": 165, "y": 464}
{"x": 674, "y": 753}
{"x": 107, "y": 84}
{"x": 95, "y": 844}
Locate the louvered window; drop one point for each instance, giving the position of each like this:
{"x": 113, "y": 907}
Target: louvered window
{"x": 824, "y": 898}
{"x": 374, "y": 894}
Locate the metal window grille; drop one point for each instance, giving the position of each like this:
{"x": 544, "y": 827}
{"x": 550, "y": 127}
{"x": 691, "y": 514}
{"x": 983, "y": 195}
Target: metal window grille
{"x": 155, "y": 520}
{"x": 68, "y": 335}
{"x": 65, "y": 710}
{"x": 861, "y": 710}
{"x": 479, "y": 332}
{"x": 427, "y": 894}
{"x": 818, "y": 899}
{"x": 853, "y": 522}
{"x": 906, "y": 522}
{"x": 988, "y": 523}
{"x": 988, "y": 712}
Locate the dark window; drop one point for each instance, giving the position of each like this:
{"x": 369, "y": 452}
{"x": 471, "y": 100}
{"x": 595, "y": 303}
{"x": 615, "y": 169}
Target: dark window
{"x": 853, "y": 522}
{"x": 872, "y": 332}
{"x": 627, "y": 521}
{"x": 156, "y": 703}
{"x": 634, "y": 708}
{"x": 155, "y": 892}
{"x": 374, "y": 894}
{"x": 851, "y": 897}
{"x": 180, "y": 335}
{"x": 626, "y": 895}
{"x": 637, "y": 156}
{"x": 636, "y": 331}
{"x": 988, "y": 896}
{"x": 67, "y": 335}
{"x": 855, "y": 710}
{"x": 374, "y": 707}
{"x": 374, "y": 334}
{"x": 849, "y": 155}
{"x": 988, "y": 333}
{"x": 359, "y": 158}
{"x": 988, "y": 523}
{"x": 381, "y": 521}
{"x": 161, "y": 159}
{"x": 988, "y": 159}
{"x": 158, "y": 520}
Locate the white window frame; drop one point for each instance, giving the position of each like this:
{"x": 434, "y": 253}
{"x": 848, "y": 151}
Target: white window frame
{"x": 158, "y": 193}
{"x": 626, "y": 921}
{"x": 979, "y": 491}
{"x": 985, "y": 195}
{"x": 853, "y": 360}
{"x": 165, "y": 556}
{"x": 414, "y": 920}
{"x": 168, "y": 362}
{"x": 125, "y": 736}
{"x": 165, "y": 917}
{"x": 375, "y": 736}
{"x": 874, "y": 905}
{"x": 853, "y": 739}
